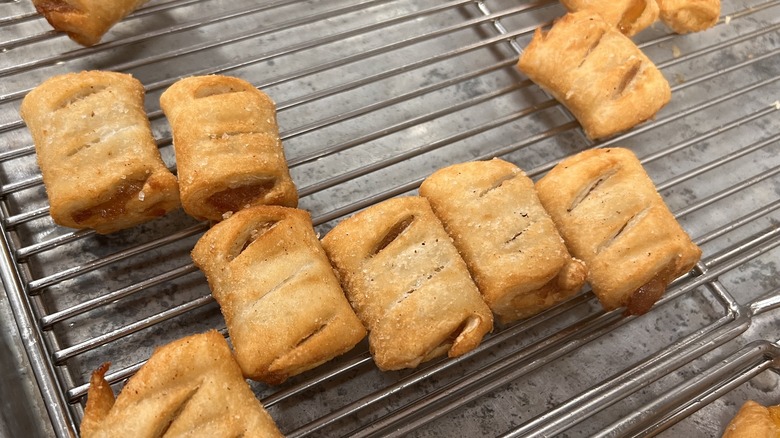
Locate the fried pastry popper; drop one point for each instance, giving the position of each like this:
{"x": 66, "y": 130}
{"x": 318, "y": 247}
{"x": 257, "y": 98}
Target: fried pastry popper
{"x": 85, "y": 21}
{"x": 100, "y": 164}
{"x": 228, "y": 152}
{"x": 610, "y": 215}
{"x": 507, "y": 239}
{"x": 190, "y": 387}
{"x": 629, "y": 16}
{"x": 754, "y": 421}
{"x": 284, "y": 307}
{"x": 599, "y": 74}
{"x": 685, "y": 16}
{"x": 407, "y": 283}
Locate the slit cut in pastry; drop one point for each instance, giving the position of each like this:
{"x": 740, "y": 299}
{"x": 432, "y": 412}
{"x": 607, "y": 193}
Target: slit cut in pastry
{"x": 228, "y": 152}
{"x": 754, "y": 421}
{"x": 100, "y": 164}
{"x": 610, "y": 215}
{"x": 190, "y": 387}
{"x": 628, "y": 16}
{"x": 407, "y": 283}
{"x": 685, "y": 16}
{"x": 284, "y": 307}
{"x": 85, "y": 21}
{"x": 507, "y": 239}
{"x": 599, "y": 74}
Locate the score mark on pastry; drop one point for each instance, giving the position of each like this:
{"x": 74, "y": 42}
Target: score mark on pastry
{"x": 393, "y": 234}
{"x": 590, "y": 188}
{"x": 79, "y": 95}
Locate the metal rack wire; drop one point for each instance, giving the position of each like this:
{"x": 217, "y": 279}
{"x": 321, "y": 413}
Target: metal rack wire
{"x": 373, "y": 96}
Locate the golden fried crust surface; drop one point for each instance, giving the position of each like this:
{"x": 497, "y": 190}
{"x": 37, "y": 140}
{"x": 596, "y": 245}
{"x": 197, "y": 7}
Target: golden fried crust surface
{"x": 684, "y": 16}
{"x": 754, "y": 421}
{"x": 407, "y": 283}
{"x": 99, "y": 161}
{"x": 507, "y": 239}
{"x": 190, "y": 387}
{"x": 228, "y": 152}
{"x": 610, "y": 215}
{"x": 628, "y": 16}
{"x": 85, "y": 21}
{"x": 599, "y": 74}
{"x": 284, "y": 307}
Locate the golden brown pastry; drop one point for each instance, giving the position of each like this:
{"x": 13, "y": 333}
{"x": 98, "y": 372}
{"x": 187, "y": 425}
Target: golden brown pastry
{"x": 85, "y": 21}
{"x": 228, "y": 152}
{"x": 754, "y": 421}
{"x": 629, "y": 16}
{"x": 507, "y": 239}
{"x": 190, "y": 387}
{"x": 610, "y": 215}
{"x": 99, "y": 161}
{"x": 598, "y": 73}
{"x": 284, "y": 307}
{"x": 684, "y": 16}
{"x": 407, "y": 283}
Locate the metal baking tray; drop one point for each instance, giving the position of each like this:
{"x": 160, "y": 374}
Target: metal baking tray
{"x": 373, "y": 96}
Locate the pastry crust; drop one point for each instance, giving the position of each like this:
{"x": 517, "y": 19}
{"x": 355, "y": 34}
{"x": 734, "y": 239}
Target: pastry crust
{"x": 628, "y": 16}
{"x": 94, "y": 145}
{"x": 85, "y": 21}
{"x": 407, "y": 283}
{"x": 754, "y": 421}
{"x": 228, "y": 152}
{"x": 191, "y": 386}
{"x": 685, "y": 16}
{"x": 284, "y": 307}
{"x": 610, "y": 215}
{"x": 599, "y": 74}
{"x": 507, "y": 239}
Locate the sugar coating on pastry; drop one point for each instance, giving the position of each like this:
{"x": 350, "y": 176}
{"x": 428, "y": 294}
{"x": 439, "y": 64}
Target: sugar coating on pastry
{"x": 685, "y": 16}
{"x": 94, "y": 146}
{"x": 85, "y": 21}
{"x": 189, "y": 387}
{"x": 598, "y": 73}
{"x": 609, "y": 213}
{"x": 284, "y": 307}
{"x": 228, "y": 152}
{"x": 754, "y": 421}
{"x": 507, "y": 239}
{"x": 628, "y": 16}
{"x": 407, "y": 283}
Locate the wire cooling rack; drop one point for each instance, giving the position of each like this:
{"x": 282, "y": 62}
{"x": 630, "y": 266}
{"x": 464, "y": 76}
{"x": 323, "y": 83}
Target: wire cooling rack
{"x": 373, "y": 96}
